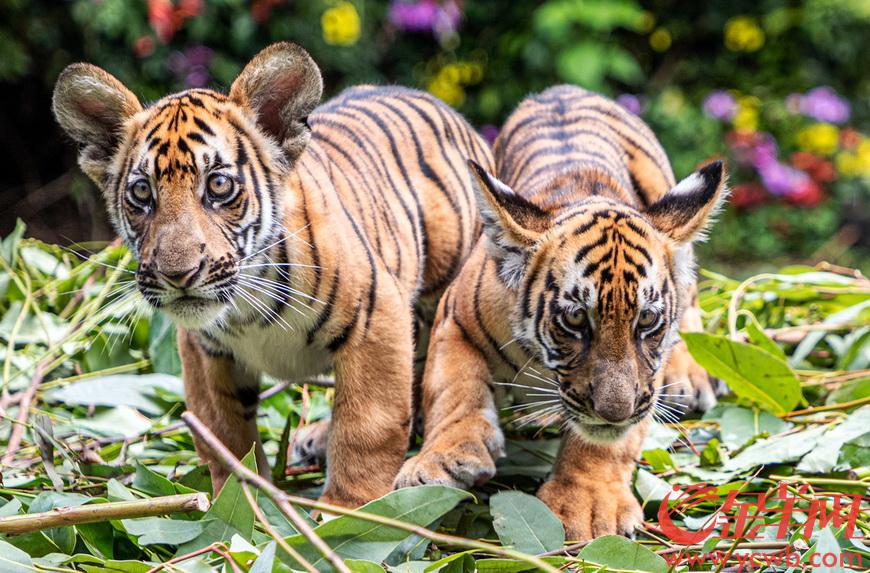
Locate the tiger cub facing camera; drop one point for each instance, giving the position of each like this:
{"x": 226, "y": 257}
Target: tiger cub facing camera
{"x": 287, "y": 240}
{"x": 576, "y": 294}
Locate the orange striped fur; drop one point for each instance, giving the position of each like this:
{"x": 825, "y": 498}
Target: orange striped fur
{"x": 287, "y": 240}
{"x": 573, "y": 300}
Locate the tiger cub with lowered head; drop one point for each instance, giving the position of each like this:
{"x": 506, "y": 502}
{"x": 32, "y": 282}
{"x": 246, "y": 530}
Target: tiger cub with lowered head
{"x": 286, "y": 239}
{"x": 580, "y": 285}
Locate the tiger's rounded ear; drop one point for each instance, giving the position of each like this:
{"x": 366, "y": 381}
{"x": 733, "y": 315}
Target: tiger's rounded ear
{"x": 92, "y": 106}
{"x": 684, "y": 212}
{"x": 282, "y": 85}
{"x": 512, "y": 223}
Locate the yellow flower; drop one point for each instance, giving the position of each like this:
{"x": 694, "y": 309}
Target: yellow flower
{"x": 341, "y": 25}
{"x": 660, "y": 40}
{"x": 742, "y": 34}
{"x": 447, "y": 84}
{"x": 822, "y": 138}
{"x": 856, "y": 163}
{"x": 746, "y": 118}
{"x": 450, "y": 92}
{"x": 646, "y": 21}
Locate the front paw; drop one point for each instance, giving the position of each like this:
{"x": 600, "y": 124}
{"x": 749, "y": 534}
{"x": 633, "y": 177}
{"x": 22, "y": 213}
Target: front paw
{"x": 464, "y": 465}
{"x": 687, "y": 385}
{"x": 592, "y": 508}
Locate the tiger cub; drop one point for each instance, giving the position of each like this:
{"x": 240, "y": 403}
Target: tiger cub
{"x": 287, "y": 239}
{"x": 576, "y": 295}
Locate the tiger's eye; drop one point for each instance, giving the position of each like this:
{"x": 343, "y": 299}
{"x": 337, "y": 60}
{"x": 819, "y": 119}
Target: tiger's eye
{"x": 141, "y": 191}
{"x": 576, "y": 319}
{"x": 647, "y": 318}
{"x": 220, "y": 186}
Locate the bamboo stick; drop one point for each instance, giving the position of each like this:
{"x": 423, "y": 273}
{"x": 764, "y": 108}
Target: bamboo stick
{"x": 61, "y": 516}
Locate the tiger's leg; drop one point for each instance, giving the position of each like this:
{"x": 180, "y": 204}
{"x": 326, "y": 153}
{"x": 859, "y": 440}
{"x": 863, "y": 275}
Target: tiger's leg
{"x": 224, "y": 396}
{"x": 462, "y": 438}
{"x": 685, "y": 381}
{"x": 371, "y": 414}
{"x": 590, "y": 487}
{"x": 311, "y": 442}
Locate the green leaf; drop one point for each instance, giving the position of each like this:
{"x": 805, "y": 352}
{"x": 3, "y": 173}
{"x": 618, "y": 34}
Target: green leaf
{"x": 525, "y": 522}
{"x": 162, "y": 346}
{"x": 152, "y": 483}
{"x": 739, "y": 425}
{"x": 513, "y": 566}
{"x": 659, "y": 459}
{"x": 355, "y": 538}
{"x": 9, "y": 245}
{"x": 827, "y": 547}
{"x": 824, "y": 457}
{"x": 152, "y": 530}
{"x": 228, "y": 515}
{"x": 14, "y": 560}
{"x": 811, "y": 339}
{"x": 776, "y": 450}
{"x": 133, "y": 390}
{"x": 759, "y": 338}
{"x": 620, "y": 553}
{"x": 650, "y": 487}
{"x": 266, "y": 560}
{"x": 363, "y": 566}
{"x": 752, "y": 373}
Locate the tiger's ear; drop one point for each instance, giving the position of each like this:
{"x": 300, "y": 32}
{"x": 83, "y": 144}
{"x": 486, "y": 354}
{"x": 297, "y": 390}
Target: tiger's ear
{"x": 511, "y": 223}
{"x": 684, "y": 212}
{"x": 282, "y": 85}
{"x": 92, "y": 106}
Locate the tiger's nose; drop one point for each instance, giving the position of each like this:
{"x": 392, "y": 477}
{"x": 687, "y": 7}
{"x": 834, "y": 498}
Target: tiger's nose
{"x": 180, "y": 279}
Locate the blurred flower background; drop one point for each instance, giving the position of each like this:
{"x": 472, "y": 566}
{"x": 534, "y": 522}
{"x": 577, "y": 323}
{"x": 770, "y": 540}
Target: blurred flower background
{"x": 775, "y": 87}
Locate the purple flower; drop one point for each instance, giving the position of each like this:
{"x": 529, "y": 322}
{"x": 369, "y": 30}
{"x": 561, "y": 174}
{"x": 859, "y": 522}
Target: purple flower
{"x": 191, "y": 65}
{"x": 720, "y": 105}
{"x": 417, "y": 16}
{"x": 630, "y": 102}
{"x": 780, "y": 179}
{"x": 489, "y": 132}
{"x": 425, "y": 16}
{"x": 824, "y": 104}
{"x": 764, "y": 151}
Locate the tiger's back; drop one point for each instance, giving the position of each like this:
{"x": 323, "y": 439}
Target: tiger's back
{"x": 565, "y": 130}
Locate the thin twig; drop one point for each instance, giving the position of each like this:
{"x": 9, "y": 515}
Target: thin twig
{"x": 62, "y": 516}
{"x": 24, "y": 403}
{"x": 277, "y": 496}
{"x": 283, "y": 501}
{"x": 246, "y": 488}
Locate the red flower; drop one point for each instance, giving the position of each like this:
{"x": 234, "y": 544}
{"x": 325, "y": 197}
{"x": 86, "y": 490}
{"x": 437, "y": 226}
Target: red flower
{"x": 262, "y": 9}
{"x": 850, "y": 138}
{"x": 821, "y": 170}
{"x": 808, "y": 194}
{"x": 143, "y": 46}
{"x": 747, "y": 195}
{"x": 160, "y": 18}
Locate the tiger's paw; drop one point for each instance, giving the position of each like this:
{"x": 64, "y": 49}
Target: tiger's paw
{"x": 687, "y": 385}
{"x": 309, "y": 446}
{"x": 592, "y": 508}
{"x": 454, "y": 459}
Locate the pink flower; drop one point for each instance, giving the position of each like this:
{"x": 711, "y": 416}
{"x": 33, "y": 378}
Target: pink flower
{"x": 821, "y": 104}
{"x": 630, "y": 102}
{"x": 720, "y": 105}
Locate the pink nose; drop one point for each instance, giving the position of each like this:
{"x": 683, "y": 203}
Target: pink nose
{"x": 181, "y": 279}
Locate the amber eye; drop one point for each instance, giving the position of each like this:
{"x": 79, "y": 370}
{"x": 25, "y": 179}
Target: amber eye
{"x": 647, "y": 318}
{"x": 140, "y": 191}
{"x": 220, "y": 187}
{"x": 576, "y": 319}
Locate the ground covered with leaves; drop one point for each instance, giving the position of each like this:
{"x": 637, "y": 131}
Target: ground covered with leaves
{"x": 90, "y": 414}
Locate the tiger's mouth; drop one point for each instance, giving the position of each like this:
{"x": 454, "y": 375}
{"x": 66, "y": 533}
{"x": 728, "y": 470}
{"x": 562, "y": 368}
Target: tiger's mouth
{"x": 595, "y": 429}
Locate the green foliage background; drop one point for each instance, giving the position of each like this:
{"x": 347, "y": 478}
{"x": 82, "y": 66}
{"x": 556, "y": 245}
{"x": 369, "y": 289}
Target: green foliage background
{"x": 667, "y": 54}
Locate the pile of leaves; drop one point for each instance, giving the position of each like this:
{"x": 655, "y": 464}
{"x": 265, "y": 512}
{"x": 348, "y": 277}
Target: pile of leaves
{"x": 90, "y": 409}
